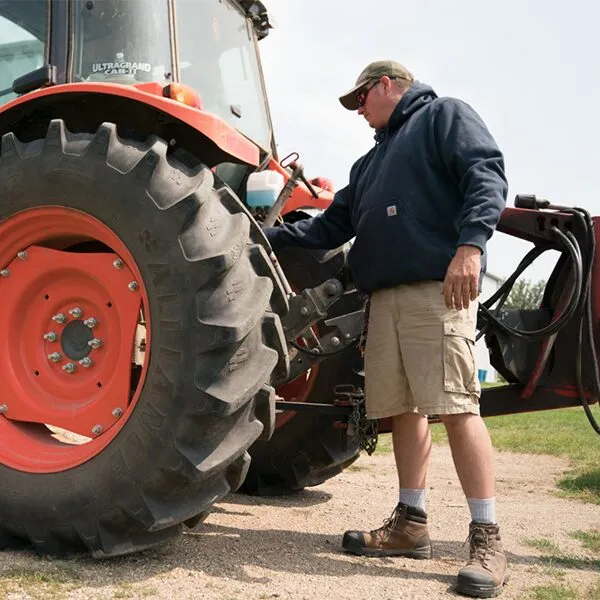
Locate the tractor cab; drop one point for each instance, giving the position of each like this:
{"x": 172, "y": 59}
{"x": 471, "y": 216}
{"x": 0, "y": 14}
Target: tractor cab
{"x": 208, "y": 45}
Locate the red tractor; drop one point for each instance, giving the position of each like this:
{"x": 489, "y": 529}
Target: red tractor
{"x": 156, "y": 355}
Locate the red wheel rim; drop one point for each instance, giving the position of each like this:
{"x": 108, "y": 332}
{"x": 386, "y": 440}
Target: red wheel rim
{"x": 72, "y": 302}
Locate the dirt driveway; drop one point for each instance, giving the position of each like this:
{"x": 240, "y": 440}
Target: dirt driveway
{"x": 289, "y": 548}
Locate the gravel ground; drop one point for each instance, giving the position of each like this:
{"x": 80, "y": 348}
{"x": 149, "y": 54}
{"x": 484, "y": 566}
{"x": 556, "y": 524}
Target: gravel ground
{"x": 289, "y": 548}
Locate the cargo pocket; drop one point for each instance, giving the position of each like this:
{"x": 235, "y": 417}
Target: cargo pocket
{"x": 459, "y": 358}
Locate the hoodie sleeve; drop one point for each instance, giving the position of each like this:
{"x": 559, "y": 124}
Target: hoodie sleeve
{"x": 330, "y": 229}
{"x": 474, "y": 160}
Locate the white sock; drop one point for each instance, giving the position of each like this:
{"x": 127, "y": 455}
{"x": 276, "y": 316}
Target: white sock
{"x": 482, "y": 510}
{"x": 414, "y": 498}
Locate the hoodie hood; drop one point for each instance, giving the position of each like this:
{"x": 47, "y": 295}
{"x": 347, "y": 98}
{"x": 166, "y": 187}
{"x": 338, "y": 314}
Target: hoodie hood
{"x": 418, "y": 96}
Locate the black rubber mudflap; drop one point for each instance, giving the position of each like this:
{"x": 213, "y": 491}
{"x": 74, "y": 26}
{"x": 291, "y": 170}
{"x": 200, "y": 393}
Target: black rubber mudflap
{"x": 215, "y": 340}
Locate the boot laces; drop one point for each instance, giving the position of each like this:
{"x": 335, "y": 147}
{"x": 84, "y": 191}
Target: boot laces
{"x": 480, "y": 545}
{"x": 391, "y": 522}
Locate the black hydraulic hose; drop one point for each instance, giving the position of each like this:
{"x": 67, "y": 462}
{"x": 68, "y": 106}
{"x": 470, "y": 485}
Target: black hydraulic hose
{"x": 587, "y": 316}
{"x": 572, "y": 304}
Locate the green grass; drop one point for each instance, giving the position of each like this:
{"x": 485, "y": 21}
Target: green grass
{"x": 37, "y": 583}
{"x": 565, "y": 433}
{"x": 554, "y": 592}
{"x": 589, "y": 539}
{"x": 553, "y": 557}
{"x": 553, "y": 560}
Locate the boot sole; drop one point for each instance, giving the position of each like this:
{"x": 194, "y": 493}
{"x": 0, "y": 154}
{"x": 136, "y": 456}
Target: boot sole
{"x": 478, "y": 590}
{"x": 416, "y": 553}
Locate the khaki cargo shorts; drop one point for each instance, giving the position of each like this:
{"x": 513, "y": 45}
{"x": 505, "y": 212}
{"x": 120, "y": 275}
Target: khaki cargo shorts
{"x": 420, "y": 355}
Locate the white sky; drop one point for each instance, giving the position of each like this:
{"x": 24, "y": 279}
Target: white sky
{"x": 528, "y": 67}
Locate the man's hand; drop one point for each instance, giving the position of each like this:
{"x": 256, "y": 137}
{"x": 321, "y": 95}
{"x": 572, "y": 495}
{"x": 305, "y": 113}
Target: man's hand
{"x": 461, "y": 284}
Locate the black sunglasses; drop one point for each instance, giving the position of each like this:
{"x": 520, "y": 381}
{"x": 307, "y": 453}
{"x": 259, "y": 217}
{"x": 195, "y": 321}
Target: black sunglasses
{"x": 361, "y": 99}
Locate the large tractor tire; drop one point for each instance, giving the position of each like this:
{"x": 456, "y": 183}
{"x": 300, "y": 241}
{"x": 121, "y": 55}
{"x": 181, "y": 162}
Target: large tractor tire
{"x": 138, "y": 332}
{"x": 306, "y": 448}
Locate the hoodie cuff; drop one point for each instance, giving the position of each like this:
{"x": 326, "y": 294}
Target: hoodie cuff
{"x": 473, "y": 236}
{"x": 272, "y": 234}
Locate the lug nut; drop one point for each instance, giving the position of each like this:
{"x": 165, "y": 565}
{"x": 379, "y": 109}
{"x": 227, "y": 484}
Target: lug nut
{"x": 95, "y": 343}
{"x": 86, "y": 362}
{"x": 59, "y": 318}
{"x": 54, "y": 357}
{"x": 69, "y": 367}
{"x": 22, "y": 255}
{"x": 117, "y": 413}
{"x": 118, "y": 264}
{"x": 97, "y": 429}
{"x": 133, "y": 286}
{"x": 76, "y": 312}
{"x": 91, "y": 322}
{"x": 335, "y": 341}
{"x": 50, "y": 336}
{"x": 4, "y": 409}
{"x": 4, "y": 273}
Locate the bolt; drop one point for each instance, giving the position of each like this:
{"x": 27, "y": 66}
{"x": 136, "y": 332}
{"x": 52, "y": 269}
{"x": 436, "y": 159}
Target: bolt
{"x": 4, "y": 273}
{"x": 335, "y": 341}
{"x": 95, "y": 343}
{"x": 69, "y": 368}
{"x": 86, "y": 362}
{"x": 76, "y": 312}
{"x": 50, "y": 336}
{"x": 304, "y": 310}
{"x": 97, "y": 429}
{"x": 59, "y": 318}
{"x": 118, "y": 264}
{"x": 54, "y": 357}
{"x": 133, "y": 286}
{"x": 22, "y": 255}
{"x": 91, "y": 322}
{"x": 3, "y": 409}
{"x": 117, "y": 413}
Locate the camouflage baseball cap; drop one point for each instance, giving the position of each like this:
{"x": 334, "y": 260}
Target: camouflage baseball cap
{"x": 373, "y": 72}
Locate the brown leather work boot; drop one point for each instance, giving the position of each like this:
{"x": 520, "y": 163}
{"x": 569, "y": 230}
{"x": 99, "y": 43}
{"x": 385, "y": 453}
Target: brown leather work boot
{"x": 403, "y": 534}
{"x": 486, "y": 572}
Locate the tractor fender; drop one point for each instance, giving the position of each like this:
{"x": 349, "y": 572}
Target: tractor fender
{"x": 85, "y": 106}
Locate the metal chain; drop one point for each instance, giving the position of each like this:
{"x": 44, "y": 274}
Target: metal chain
{"x": 359, "y": 426}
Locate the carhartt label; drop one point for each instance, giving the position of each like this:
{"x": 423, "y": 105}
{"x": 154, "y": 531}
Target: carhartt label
{"x": 391, "y": 211}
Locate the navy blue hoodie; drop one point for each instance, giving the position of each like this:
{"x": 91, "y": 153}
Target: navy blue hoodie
{"x": 434, "y": 181}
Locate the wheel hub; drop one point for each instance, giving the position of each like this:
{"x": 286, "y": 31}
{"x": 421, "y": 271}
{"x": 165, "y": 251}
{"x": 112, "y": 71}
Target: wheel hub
{"x": 66, "y": 332}
{"x": 75, "y": 339}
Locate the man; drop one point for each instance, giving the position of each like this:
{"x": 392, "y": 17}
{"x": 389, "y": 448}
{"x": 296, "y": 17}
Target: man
{"x": 422, "y": 204}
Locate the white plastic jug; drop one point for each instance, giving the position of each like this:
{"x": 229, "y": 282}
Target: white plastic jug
{"x": 263, "y": 188}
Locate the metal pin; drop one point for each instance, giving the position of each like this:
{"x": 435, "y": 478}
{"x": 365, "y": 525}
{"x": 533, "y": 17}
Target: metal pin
{"x": 117, "y": 413}
{"x": 22, "y": 255}
{"x": 133, "y": 286}
{"x": 118, "y": 264}
{"x": 97, "y": 429}
{"x": 4, "y": 273}
{"x": 3, "y": 409}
